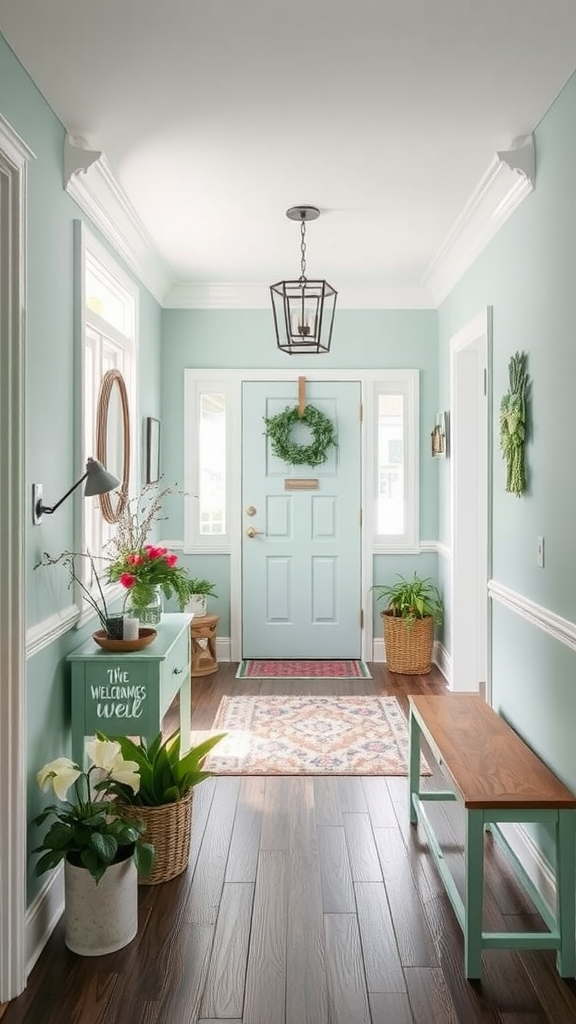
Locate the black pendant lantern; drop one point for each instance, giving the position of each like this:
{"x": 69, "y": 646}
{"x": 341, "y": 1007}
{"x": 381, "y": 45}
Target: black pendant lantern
{"x": 303, "y": 310}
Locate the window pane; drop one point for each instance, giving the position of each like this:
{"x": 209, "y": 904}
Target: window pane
{"x": 107, "y": 298}
{"x": 390, "y": 514}
{"x": 212, "y": 465}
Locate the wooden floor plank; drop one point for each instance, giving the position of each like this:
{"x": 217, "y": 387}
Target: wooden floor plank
{"x": 204, "y": 896}
{"x": 347, "y": 993}
{"x": 306, "y": 987}
{"x": 266, "y": 972}
{"x": 410, "y": 925}
{"x": 327, "y": 800}
{"x": 337, "y": 890}
{"x": 362, "y": 853}
{"x": 429, "y": 997}
{"x": 381, "y": 960}
{"x": 245, "y": 841}
{"x": 390, "y": 1008}
{"x": 224, "y": 992}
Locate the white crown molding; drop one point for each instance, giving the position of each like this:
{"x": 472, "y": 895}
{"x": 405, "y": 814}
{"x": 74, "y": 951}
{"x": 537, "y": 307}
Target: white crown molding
{"x": 236, "y": 295}
{"x": 556, "y": 627}
{"x": 507, "y": 182}
{"x": 102, "y": 199}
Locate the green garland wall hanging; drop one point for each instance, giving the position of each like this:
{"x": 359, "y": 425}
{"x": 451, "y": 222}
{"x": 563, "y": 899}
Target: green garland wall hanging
{"x": 279, "y": 430}
{"x": 513, "y": 424}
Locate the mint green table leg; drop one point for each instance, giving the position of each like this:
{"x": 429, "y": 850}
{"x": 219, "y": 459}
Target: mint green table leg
{"x": 414, "y": 765}
{"x": 474, "y": 893}
{"x": 565, "y": 892}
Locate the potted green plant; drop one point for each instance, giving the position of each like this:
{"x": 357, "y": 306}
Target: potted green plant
{"x": 413, "y": 607}
{"x": 199, "y": 592}
{"x": 102, "y": 847}
{"x": 164, "y": 798}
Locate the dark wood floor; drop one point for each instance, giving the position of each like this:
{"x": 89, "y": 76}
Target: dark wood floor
{"x": 306, "y": 901}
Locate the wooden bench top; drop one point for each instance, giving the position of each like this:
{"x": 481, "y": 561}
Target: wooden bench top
{"x": 488, "y": 763}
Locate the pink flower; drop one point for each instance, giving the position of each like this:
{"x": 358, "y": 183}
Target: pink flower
{"x": 127, "y": 579}
{"x": 153, "y": 552}
{"x": 171, "y": 559}
{"x": 134, "y": 559}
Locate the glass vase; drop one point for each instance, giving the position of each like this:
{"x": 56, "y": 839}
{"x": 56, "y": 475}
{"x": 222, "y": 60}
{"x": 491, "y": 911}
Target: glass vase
{"x": 149, "y": 614}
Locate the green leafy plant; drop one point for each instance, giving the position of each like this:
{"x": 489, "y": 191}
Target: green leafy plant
{"x": 411, "y": 599}
{"x": 197, "y": 586}
{"x": 89, "y": 831}
{"x": 279, "y": 430}
{"x": 166, "y": 774}
{"x": 513, "y": 424}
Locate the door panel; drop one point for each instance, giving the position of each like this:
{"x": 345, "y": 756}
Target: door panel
{"x": 301, "y": 570}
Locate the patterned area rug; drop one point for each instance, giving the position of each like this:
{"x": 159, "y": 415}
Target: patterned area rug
{"x": 311, "y": 736}
{"x": 255, "y": 669}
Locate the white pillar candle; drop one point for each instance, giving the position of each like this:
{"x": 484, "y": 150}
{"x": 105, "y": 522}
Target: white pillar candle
{"x": 131, "y": 629}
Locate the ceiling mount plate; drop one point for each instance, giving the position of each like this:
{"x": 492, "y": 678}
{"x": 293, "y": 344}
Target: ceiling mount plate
{"x": 303, "y": 213}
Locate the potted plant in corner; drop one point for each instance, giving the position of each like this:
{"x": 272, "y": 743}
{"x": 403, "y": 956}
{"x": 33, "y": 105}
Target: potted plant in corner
{"x": 164, "y": 799}
{"x": 101, "y": 847}
{"x": 413, "y": 608}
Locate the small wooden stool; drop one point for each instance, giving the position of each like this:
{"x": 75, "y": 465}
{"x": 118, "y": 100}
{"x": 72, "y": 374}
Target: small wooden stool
{"x": 203, "y": 631}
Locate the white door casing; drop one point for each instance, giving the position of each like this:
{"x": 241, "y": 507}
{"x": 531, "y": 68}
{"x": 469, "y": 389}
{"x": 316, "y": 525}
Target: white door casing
{"x": 469, "y": 486}
{"x": 14, "y": 156}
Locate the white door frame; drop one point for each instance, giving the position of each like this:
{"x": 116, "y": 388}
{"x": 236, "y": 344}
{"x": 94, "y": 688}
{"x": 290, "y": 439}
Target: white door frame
{"x": 14, "y": 156}
{"x": 470, "y": 474}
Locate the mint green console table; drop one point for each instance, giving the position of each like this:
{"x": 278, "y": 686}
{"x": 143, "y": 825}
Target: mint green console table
{"x": 129, "y": 694}
{"x": 497, "y": 779}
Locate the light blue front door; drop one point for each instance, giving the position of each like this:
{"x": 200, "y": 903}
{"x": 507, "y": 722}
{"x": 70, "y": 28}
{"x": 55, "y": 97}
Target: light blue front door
{"x": 301, "y": 530}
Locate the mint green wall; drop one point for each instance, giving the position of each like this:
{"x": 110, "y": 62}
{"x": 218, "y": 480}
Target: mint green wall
{"x": 50, "y": 387}
{"x": 528, "y": 275}
{"x": 362, "y": 339}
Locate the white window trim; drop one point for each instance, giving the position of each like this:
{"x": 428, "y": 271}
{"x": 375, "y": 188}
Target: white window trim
{"x": 85, "y": 241}
{"x": 230, "y": 382}
{"x": 407, "y": 384}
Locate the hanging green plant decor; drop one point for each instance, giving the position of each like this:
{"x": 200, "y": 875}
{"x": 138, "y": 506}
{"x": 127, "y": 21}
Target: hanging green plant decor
{"x": 279, "y": 430}
{"x": 513, "y": 424}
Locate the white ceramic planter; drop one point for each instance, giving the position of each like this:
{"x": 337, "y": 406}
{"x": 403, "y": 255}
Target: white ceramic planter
{"x": 100, "y": 918}
{"x": 197, "y": 605}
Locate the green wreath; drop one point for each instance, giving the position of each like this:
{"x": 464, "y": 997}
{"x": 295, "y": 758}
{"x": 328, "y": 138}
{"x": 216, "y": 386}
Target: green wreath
{"x": 279, "y": 429}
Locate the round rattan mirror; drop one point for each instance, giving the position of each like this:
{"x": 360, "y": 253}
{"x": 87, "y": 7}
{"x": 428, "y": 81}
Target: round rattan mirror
{"x": 113, "y": 440}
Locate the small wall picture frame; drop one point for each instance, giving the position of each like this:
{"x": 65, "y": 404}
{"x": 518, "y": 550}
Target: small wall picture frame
{"x": 152, "y": 450}
{"x": 439, "y": 436}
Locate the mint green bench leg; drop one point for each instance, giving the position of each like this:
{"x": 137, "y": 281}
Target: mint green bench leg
{"x": 474, "y": 893}
{"x": 565, "y": 895}
{"x": 414, "y": 765}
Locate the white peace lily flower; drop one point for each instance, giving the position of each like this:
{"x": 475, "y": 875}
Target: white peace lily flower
{"x": 102, "y": 752}
{"x": 126, "y": 772}
{"x": 60, "y": 774}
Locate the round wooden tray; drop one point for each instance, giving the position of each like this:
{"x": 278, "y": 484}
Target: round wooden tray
{"x": 124, "y": 646}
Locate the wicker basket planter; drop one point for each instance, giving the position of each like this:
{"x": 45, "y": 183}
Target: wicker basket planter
{"x": 168, "y": 828}
{"x": 408, "y": 646}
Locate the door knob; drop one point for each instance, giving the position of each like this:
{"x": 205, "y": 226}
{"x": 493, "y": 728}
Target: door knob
{"x": 250, "y": 511}
{"x": 251, "y": 532}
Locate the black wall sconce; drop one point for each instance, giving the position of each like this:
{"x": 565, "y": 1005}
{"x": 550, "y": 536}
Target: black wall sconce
{"x": 98, "y": 481}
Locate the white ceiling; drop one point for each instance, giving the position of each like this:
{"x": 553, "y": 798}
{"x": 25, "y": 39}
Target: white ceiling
{"x": 215, "y": 116}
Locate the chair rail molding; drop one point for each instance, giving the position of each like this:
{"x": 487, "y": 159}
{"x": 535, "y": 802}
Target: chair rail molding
{"x": 557, "y": 627}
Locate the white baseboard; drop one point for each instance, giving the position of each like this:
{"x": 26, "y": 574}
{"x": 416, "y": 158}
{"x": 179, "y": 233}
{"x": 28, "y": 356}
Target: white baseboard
{"x": 537, "y": 869}
{"x": 43, "y": 915}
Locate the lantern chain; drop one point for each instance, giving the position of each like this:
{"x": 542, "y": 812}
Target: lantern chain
{"x": 303, "y": 247}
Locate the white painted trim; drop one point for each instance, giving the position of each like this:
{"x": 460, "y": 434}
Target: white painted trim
{"x": 239, "y": 295}
{"x": 43, "y": 915}
{"x": 444, "y": 550}
{"x": 470, "y": 501}
{"x": 556, "y": 627}
{"x": 531, "y": 859}
{"x": 498, "y": 194}
{"x": 104, "y": 201}
{"x": 14, "y": 157}
{"x": 46, "y": 632}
